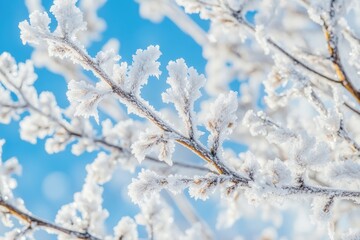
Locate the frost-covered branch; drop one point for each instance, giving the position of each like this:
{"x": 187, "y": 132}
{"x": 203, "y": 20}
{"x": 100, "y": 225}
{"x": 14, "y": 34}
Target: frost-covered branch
{"x": 329, "y": 27}
{"x": 238, "y": 18}
{"x": 34, "y": 222}
{"x": 65, "y": 47}
{"x": 269, "y": 128}
{"x": 277, "y": 47}
{"x": 149, "y": 184}
{"x": 66, "y": 131}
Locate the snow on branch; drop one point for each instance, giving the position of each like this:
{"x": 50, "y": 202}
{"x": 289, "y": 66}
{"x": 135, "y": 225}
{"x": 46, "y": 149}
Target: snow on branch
{"x": 220, "y": 119}
{"x": 87, "y": 97}
{"x": 185, "y": 90}
{"x": 277, "y": 67}
{"x": 69, "y": 48}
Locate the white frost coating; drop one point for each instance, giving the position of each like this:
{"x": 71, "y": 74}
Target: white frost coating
{"x": 190, "y": 6}
{"x": 347, "y": 170}
{"x": 259, "y": 124}
{"x": 107, "y": 60}
{"x": 149, "y": 184}
{"x": 87, "y": 97}
{"x": 185, "y": 90}
{"x": 308, "y": 129}
{"x": 58, "y": 142}
{"x": 8, "y": 183}
{"x": 157, "y": 217}
{"x": 86, "y": 142}
{"x": 126, "y": 229}
{"x": 2, "y": 142}
{"x": 202, "y": 189}
{"x": 314, "y": 15}
{"x": 145, "y": 187}
{"x": 85, "y": 213}
{"x": 16, "y": 76}
{"x": 250, "y": 165}
{"x": 261, "y": 38}
{"x": 37, "y": 28}
{"x": 155, "y": 10}
{"x": 304, "y": 149}
{"x": 352, "y": 234}
{"x": 154, "y": 139}
{"x": 38, "y": 125}
{"x": 195, "y": 232}
{"x": 311, "y": 152}
{"x": 69, "y": 18}
{"x": 120, "y": 73}
{"x": 102, "y": 168}
{"x": 321, "y": 208}
{"x": 6, "y": 113}
{"x": 279, "y": 173}
{"x": 144, "y": 65}
{"x": 354, "y": 54}
{"x": 94, "y": 24}
{"x": 123, "y": 133}
{"x": 220, "y": 118}
{"x": 70, "y": 22}
{"x": 33, "y": 5}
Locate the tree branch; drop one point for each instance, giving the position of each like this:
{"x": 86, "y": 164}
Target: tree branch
{"x": 276, "y": 46}
{"x": 131, "y": 99}
{"x": 35, "y": 221}
{"x": 339, "y": 69}
{"x": 102, "y": 142}
{"x": 332, "y": 45}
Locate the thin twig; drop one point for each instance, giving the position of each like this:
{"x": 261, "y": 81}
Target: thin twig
{"x": 239, "y": 19}
{"x": 332, "y": 45}
{"x": 277, "y": 47}
{"x": 35, "y": 221}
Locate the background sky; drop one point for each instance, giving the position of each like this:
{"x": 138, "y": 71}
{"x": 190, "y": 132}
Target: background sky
{"x": 49, "y": 181}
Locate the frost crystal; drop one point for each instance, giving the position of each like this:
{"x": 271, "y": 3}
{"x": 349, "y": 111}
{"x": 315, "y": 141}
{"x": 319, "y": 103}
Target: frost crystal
{"x": 145, "y": 187}
{"x": 69, "y": 18}
{"x": 144, "y": 65}
{"x": 87, "y": 97}
{"x": 347, "y": 170}
{"x": 153, "y": 9}
{"x": 154, "y": 140}
{"x": 37, "y": 28}
{"x": 126, "y": 229}
{"x": 220, "y": 119}
{"x": 185, "y": 90}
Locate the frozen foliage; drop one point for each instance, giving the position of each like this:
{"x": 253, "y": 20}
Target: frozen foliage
{"x": 69, "y": 18}
{"x": 220, "y": 119}
{"x": 144, "y": 65}
{"x": 7, "y": 182}
{"x": 185, "y": 90}
{"x": 152, "y": 139}
{"x": 281, "y": 80}
{"x": 153, "y": 10}
{"x": 87, "y": 97}
{"x": 126, "y": 229}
